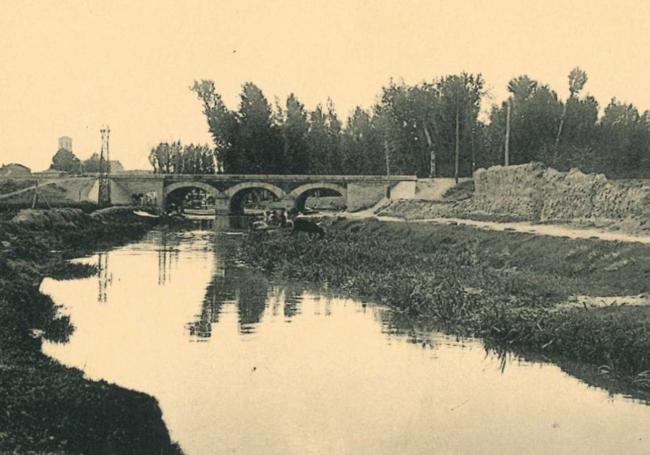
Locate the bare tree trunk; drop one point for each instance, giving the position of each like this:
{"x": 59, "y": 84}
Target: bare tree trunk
{"x": 35, "y": 198}
{"x": 471, "y": 138}
{"x": 457, "y": 152}
{"x": 387, "y": 155}
{"x": 507, "y": 144}
{"x": 472, "y": 130}
{"x": 559, "y": 129}
{"x": 556, "y": 150}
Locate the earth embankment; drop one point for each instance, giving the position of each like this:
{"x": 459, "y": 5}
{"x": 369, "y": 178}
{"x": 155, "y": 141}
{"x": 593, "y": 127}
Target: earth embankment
{"x": 535, "y": 193}
{"x": 46, "y": 407}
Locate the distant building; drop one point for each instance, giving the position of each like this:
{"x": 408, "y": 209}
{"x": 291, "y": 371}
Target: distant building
{"x": 14, "y": 170}
{"x": 52, "y": 173}
{"x": 137, "y": 172}
{"x": 65, "y": 142}
{"x": 116, "y": 166}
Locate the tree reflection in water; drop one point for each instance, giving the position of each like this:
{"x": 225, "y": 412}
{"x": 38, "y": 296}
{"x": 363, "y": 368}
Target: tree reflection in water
{"x": 103, "y": 277}
{"x": 167, "y": 254}
{"x": 248, "y": 289}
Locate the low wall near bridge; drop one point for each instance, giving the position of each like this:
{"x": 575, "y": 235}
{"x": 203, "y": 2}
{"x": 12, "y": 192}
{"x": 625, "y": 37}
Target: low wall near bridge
{"x": 434, "y": 189}
{"x": 123, "y": 189}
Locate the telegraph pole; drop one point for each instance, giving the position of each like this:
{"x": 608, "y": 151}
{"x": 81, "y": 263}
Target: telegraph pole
{"x": 387, "y": 157}
{"x": 507, "y": 145}
{"x": 104, "y": 194}
{"x": 35, "y": 197}
{"x": 457, "y": 145}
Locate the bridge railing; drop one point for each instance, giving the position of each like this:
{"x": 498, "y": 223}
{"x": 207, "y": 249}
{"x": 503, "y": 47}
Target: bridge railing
{"x": 275, "y": 177}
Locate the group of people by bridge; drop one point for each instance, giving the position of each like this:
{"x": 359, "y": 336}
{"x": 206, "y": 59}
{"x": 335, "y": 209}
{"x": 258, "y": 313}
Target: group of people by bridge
{"x": 281, "y": 219}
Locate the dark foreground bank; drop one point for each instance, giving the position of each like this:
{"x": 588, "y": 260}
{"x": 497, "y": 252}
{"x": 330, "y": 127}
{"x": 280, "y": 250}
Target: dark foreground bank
{"x": 511, "y": 289}
{"x": 44, "y": 406}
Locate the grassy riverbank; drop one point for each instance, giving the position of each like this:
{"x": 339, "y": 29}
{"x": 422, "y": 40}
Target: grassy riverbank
{"x": 509, "y": 288}
{"x": 46, "y": 407}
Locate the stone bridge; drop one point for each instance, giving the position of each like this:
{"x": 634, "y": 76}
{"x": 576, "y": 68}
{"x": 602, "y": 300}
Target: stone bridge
{"x": 228, "y": 190}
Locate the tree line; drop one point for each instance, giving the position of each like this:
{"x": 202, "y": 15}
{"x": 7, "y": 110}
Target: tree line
{"x": 570, "y": 133}
{"x": 175, "y": 158}
{"x": 167, "y": 158}
{"x": 66, "y": 161}
{"x": 430, "y": 129}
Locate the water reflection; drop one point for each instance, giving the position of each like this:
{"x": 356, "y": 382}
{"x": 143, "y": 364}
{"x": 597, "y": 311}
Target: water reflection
{"x": 232, "y": 222}
{"x": 230, "y": 283}
{"x": 103, "y": 276}
{"x": 249, "y": 291}
{"x": 285, "y": 369}
{"x": 167, "y": 254}
{"x": 235, "y": 286}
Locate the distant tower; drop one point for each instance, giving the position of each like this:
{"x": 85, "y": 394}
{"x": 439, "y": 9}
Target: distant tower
{"x": 104, "y": 196}
{"x": 65, "y": 142}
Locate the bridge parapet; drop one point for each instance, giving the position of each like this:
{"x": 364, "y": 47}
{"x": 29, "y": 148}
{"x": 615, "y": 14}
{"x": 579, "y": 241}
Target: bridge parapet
{"x": 280, "y": 177}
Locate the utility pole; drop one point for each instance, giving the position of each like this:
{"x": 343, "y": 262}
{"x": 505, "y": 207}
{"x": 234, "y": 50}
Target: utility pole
{"x": 472, "y": 148}
{"x": 35, "y": 197}
{"x": 104, "y": 194}
{"x": 507, "y": 144}
{"x": 432, "y": 153}
{"x": 457, "y": 153}
{"x": 37, "y": 194}
{"x": 472, "y": 130}
{"x": 387, "y": 155}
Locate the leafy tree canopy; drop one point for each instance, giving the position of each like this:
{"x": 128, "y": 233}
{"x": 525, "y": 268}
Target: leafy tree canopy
{"x": 65, "y": 160}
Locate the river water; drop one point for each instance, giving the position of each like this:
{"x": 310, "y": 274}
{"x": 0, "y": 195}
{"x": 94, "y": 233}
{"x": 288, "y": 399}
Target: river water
{"x": 241, "y": 364}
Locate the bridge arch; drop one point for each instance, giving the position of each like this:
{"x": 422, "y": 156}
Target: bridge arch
{"x": 300, "y": 194}
{"x": 209, "y": 189}
{"x": 236, "y": 192}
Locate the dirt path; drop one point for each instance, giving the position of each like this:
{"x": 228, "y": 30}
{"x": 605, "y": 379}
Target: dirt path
{"x": 553, "y": 230}
{"x": 537, "y": 229}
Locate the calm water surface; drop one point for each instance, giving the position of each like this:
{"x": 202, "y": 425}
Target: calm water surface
{"x": 243, "y": 365}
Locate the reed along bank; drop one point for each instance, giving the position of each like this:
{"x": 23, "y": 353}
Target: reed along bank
{"x": 44, "y": 406}
{"x": 515, "y": 290}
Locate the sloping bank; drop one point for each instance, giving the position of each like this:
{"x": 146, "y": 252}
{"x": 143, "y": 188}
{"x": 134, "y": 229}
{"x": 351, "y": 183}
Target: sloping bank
{"x": 508, "y": 288}
{"x": 44, "y": 406}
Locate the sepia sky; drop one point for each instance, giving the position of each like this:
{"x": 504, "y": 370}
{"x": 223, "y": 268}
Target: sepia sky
{"x": 70, "y": 66}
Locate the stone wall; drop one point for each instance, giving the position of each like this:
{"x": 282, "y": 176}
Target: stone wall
{"x": 325, "y": 202}
{"x": 403, "y": 190}
{"x": 122, "y": 190}
{"x": 435, "y": 189}
{"x": 362, "y": 195}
